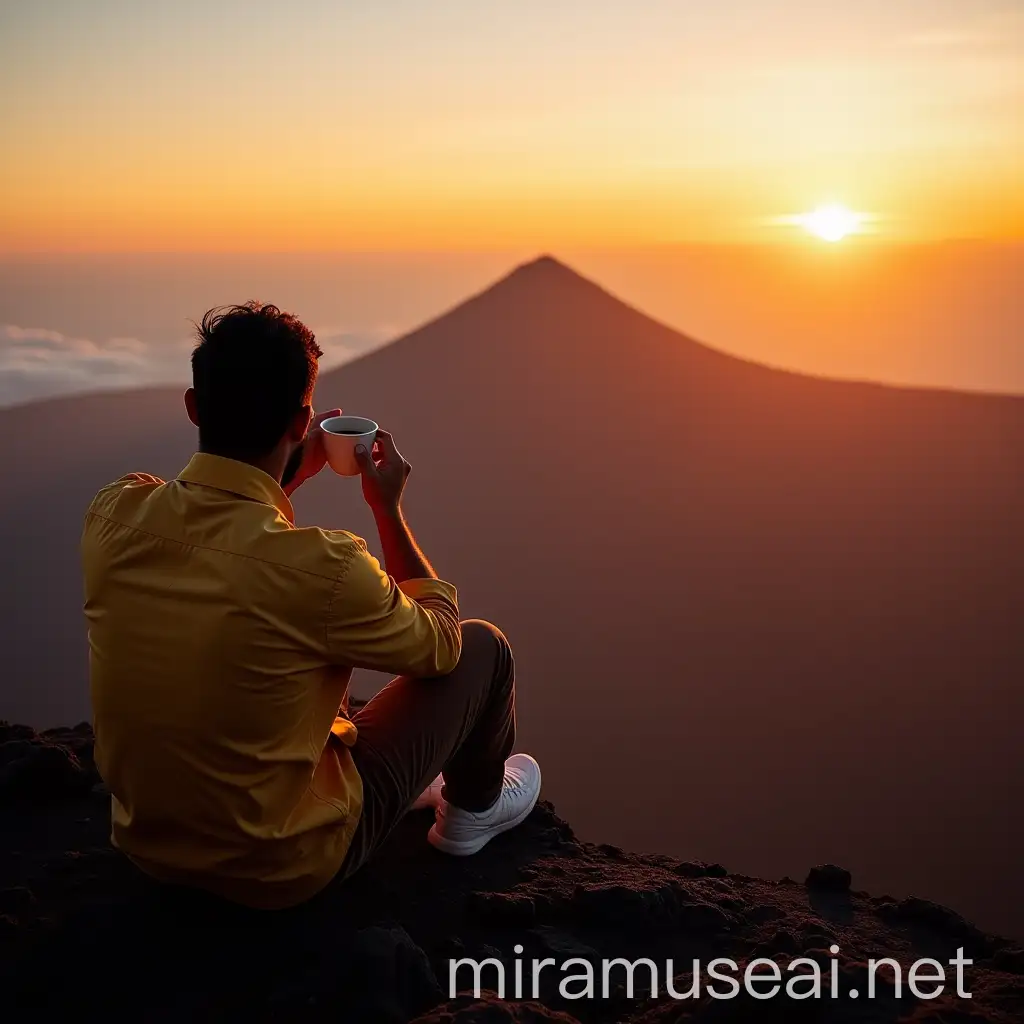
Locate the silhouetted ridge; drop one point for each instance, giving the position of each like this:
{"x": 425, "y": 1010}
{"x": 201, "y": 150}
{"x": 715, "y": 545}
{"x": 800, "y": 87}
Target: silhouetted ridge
{"x": 547, "y": 265}
{"x": 543, "y": 283}
{"x": 541, "y": 299}
{"x": 544, "y": 274}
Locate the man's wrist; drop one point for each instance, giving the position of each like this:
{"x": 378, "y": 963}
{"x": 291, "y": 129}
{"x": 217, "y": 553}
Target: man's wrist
{"x": 390, "y": 513}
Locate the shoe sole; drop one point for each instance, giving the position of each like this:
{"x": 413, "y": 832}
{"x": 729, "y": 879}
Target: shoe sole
{"x": 471, "y": 846}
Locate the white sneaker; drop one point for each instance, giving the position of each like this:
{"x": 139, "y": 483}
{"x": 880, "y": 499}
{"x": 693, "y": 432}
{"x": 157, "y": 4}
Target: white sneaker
{"x": 430, "y": 797}
{"x": 462, "y": 833}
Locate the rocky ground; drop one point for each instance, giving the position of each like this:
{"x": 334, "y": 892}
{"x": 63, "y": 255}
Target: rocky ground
{"x": 83, "y": 934}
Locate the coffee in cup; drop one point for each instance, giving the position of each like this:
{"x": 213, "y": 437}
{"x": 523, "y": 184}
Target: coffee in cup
{"x": 341, "y": 435}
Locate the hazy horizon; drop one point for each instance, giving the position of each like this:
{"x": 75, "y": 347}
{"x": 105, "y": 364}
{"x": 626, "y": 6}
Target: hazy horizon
{"x": 933, "y": 315}
{"x": 782, "y": 184}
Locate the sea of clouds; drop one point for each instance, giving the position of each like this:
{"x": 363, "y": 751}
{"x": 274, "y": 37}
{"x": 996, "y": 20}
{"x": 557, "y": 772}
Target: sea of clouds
{"x": 36, "y": 362}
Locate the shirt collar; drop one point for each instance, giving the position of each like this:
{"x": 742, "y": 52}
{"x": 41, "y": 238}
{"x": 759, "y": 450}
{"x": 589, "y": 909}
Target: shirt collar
{"x": 237, "y": 478}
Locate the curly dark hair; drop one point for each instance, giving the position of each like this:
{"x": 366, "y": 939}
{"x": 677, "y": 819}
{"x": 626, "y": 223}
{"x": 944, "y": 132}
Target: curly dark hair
{"x": 253, "y": 369}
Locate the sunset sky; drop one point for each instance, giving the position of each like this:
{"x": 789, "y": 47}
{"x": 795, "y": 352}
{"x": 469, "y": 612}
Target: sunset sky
{"x": 334, "y": 125}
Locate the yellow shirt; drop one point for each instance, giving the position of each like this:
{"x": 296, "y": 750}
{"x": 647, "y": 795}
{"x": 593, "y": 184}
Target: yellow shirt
{"x": 222, "y": 638}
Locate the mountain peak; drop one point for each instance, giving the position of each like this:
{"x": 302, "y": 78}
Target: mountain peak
{"x": 543, "y": 282}
{"x": 542, "y": 262}
{"x": 545, "y": 267}
{"x": 546, "y": 279}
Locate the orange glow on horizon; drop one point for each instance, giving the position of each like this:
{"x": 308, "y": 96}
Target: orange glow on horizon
{"x": 354, "y": 218}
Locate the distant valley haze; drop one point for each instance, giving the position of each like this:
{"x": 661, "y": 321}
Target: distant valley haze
{"x": 943, "y": 315}
{"x": 760, "y": 617}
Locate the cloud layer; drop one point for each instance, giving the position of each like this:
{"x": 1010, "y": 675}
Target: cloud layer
{"x": 36, "y": 362}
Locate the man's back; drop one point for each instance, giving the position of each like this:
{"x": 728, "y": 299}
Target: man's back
{"x": 220, "y": 640}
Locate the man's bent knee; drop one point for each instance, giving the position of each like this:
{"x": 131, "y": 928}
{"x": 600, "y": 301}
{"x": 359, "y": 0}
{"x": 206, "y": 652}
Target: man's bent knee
{"x": 475, "y": 630}
{"x": 484, "y": 645}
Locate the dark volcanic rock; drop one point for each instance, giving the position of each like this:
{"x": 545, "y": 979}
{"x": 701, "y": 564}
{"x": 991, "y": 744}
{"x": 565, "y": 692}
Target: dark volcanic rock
{"x": 1010, "y": 960}
{"x": 913, "y": 908}
{"x": 84, "y": 935}
{"x": 489, "y": 1009}
{"x": 502, "y": 908}
{"x": 16, "y": 902}
{"x": 394, "y": 975}
{"x": 9, "y": 732}
{"x": 562, "y": 945}
{"x": 54, "y": 765}
{"x": 829, "y": 877}
{"x": 623, "y": 906}
{"x": 379, "y": 976}
{"x": 698, "y": 869}
{"x": 30, "y": 772}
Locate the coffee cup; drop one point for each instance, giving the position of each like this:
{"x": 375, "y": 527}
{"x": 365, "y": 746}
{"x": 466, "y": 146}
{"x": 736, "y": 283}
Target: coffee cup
{"x": 341, "y": 435}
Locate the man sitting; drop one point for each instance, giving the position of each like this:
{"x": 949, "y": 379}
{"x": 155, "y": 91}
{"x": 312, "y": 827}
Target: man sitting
{"x": 222, "y": 639}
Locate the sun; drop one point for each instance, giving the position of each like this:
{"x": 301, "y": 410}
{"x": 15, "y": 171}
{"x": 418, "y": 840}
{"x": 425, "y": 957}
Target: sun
{"x": 831, "y": 223}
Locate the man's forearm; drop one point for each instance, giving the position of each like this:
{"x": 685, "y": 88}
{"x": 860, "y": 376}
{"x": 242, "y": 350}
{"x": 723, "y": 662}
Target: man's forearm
{"x": 402, "y": 557}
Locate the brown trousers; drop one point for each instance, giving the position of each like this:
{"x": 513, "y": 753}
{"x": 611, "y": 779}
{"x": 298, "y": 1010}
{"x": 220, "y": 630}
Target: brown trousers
{"x": 462, "y": 724}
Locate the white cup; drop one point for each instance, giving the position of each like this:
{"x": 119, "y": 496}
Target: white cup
{"x": 341, "y": 435}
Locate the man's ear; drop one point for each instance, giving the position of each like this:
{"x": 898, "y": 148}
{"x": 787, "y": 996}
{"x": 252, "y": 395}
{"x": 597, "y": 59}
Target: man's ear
{"x": 190, "y": 406}
{"x": 300, "y": 424}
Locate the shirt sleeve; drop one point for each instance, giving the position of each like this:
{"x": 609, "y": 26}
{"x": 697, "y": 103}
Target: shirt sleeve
{"x": 411, "y": 628}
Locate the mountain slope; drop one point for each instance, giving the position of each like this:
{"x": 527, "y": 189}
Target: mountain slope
{"x": 809, "y": 590}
